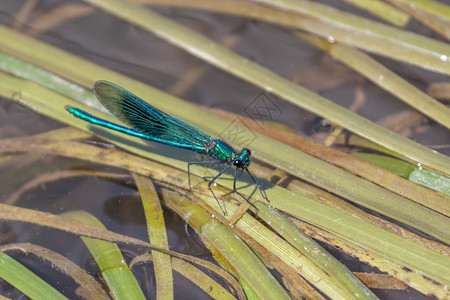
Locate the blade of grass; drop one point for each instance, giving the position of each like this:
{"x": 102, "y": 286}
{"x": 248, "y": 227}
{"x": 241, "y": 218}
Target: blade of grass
{"x": 433, "y": 7}
{"x": 248, "y": 291}
{"x": 394, "y": 165}
{"x": 26, "y": 281}
{"x": 156, "y": 228}
{"x": 382, "y": 10}
{"x": 118, "y": 277}
{"x": 25, "y": 70}
{"x": 420, "y": 176}
{"x": 431, "y": 180}
{"x": 434, "y": 14}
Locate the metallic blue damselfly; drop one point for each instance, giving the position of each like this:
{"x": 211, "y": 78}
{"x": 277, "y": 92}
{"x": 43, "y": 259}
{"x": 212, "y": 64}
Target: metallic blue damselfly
{"x": 149, "y": 123}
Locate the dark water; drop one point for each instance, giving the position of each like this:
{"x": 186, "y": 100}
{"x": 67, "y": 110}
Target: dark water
{"x": 101, "y": 38}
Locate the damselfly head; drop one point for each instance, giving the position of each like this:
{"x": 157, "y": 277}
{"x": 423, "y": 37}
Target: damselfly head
{"x": 243, "y": 158}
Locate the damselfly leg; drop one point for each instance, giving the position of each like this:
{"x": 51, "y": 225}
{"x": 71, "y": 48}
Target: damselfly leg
{"x": 221, "y": 173}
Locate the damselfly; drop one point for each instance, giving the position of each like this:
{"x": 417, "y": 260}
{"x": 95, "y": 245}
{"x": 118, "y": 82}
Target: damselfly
{"x": 149, "y": 123}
